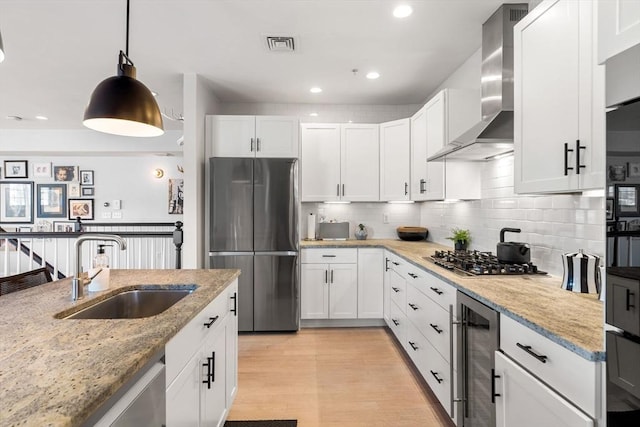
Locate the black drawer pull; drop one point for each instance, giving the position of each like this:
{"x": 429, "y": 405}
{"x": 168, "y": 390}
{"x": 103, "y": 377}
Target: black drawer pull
{"x": 395, "y": 322}
{"x": 493, "y": 386}
{"x": 630, "y": 295}
{"x": 207, "y": 381}
{"x": 211, "y": 321}
{"x": 435, "y": 328}
{"x": 415, "y": 276}
{"x": 435, "y": 375}
{"x": 436, "y": 290}
{"x": 395, "y": 289}
{"x": 234, "y": 310}
{"x": 413, "y": 346}
{"x": 567, "y": 150}
{"x": 413, "y": 306}
{"x": 328, "y": 256}
{"x": 527, "y": 348}
{"x": 395, "y": 263}
{"x": 386, "y": 264}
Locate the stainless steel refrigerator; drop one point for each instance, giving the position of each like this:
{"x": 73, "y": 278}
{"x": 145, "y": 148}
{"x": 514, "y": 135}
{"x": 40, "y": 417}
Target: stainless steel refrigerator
{"x": 253, "y": 226}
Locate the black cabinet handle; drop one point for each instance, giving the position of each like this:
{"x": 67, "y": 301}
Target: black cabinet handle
{"x": 213, "y": 366}
{"x": 328, "y": 256}
{"x": 413, "y": 346}
{"x": 395, "y": 289}
{"x": 413, "y": 306}
{"x": 527, "y": 348}
{"x": 567, "y": 150}
{"x": 211, "y": 321}
{"x": 629, "y": 297}
{"x": 234, "y": 310}
{"x": 436, "y": 290}
{"x": 435, "y": 328}
{"x": 578, "y": 148}
{"x": 257, "y": 144}
{"x": 338, "y": 190}
{"x": 423, "y": 186}
{"x": 395, "y": 263}
{"x": 343, "y": 190}
{"x": 326, "y": 276}
{"x": 435, "y": 375}
{"x": 415, "y": 276}
{"x": 251, "y": 146}
{"x": 207, "y": 381}
{"x": 331, "y": 276}
{"x": 395, "y": 322}
{"x": 493, "y": 386}
{"x": 406, "y": 188}
{"x": 386, "y": 264}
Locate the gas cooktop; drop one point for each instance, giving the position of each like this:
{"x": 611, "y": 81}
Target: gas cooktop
{"x": 476, "y": 263}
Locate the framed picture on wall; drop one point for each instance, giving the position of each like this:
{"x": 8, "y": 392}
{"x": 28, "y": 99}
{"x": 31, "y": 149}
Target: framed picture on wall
{"x": 74, "y": 189}
{"x": 65, "y": 173}
{"x": 16, "y": 169}
{"x": 610, "y": 209}
{"x": 87, "y": 191}
{"x": 51, "y": 200}
{"x": 63, "y": 226}
{"x": 81, "y": 208}
{"x": 86, "y": 177}
{"x": 617, "y": 172}
{"x": 42, "y": 170}
{"x": 634, "y": 170}
{"x": 176, "y": 196}
{"x": 626, "y": 200}
{"x": 16, "y": 202}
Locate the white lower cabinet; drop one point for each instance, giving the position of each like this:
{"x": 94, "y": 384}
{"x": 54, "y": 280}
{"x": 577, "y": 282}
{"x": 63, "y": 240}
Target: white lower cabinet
{"x": 200, "y": 391}
{"x": 370, "y": 283}
{"x": 524, "y": 401}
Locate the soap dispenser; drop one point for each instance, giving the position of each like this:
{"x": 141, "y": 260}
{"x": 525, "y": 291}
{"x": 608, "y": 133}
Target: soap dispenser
{"x": 100, "y": 271}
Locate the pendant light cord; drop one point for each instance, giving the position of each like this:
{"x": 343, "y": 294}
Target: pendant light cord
{"x": 127, "y": 43}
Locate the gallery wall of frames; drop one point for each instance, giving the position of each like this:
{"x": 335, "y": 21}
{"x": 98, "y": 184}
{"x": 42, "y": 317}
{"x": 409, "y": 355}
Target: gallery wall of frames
{"x": 50, "y": 196}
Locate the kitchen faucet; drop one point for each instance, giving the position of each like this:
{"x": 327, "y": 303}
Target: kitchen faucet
{"x": 77, "y": 290}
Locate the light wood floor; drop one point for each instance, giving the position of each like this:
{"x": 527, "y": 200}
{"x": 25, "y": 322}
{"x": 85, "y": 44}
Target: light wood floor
{"x": 348, "y": 377}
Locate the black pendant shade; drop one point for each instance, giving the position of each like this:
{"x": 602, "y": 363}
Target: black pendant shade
{"x": 122, "y": 105}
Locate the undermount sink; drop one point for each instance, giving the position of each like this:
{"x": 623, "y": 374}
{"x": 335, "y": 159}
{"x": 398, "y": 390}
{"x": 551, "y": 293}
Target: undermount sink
{"x": 133, "y": 304}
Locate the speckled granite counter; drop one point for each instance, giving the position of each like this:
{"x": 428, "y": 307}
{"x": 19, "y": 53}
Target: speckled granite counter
{"x": 56, "y": 372}
{"x": 570, "y": 319}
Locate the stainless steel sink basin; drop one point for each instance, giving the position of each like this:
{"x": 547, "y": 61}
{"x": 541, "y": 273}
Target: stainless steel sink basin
{"x": 133, "y": 304}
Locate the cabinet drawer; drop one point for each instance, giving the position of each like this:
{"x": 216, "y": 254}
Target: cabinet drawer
{"x": 623, "y": 298}
{"x": 398, "y": 323}
{"x": 398, "y": 290}
{"x": 430, "y": 319}
{"x": 436, "y": 371}
{"x": 186, "y": 342}
{"x": 330, "y": 256}
{"x": 438, "y": 290}
{"x": 395, "y": 263}
{"x": 563, "y": 370}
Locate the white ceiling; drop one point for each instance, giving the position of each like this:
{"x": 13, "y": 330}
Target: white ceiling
{"x": 57, "y": 51}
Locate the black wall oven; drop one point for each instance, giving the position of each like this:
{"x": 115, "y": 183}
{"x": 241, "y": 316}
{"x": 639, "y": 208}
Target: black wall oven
{"x": 478, "y": 340}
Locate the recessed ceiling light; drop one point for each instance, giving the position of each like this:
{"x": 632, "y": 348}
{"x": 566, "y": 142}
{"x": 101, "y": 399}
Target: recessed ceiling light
{"x": 373, "y": 75}
{"x": 402, "y": 11}
{"x": 315, "y": 90}
{"x": 313, "y": 114}
{"x": 42, "y": 117}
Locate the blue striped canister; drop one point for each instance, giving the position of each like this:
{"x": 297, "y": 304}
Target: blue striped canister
{"x": 581, "y": 272}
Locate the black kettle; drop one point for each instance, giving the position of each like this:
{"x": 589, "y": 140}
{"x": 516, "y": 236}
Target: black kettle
{"x": 513, "y": 252}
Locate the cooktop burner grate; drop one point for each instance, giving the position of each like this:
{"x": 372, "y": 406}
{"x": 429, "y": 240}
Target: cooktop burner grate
{"x": 477, "y": 263}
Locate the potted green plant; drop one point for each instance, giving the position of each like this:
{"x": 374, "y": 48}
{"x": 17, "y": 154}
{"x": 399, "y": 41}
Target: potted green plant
{"x": 361, "y": 232}
{"x": 461, "y": 238}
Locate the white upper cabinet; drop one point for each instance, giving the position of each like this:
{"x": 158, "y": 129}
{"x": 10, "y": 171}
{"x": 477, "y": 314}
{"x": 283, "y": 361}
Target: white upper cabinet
{"x": 395, "y": 153}
{"x": 618, "y": 27}
{"x": 253, "y": 136}
{"x": 427, "y": 178}
{"x": 340, "y": 162}
{"x": 320, "y": 162}
{"x": 360, "y": 162}
{"x": 559, "y": 140}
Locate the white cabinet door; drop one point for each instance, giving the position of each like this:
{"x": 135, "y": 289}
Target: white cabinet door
{"x": 395, "y": 153}
{"x": 555, "y": 110}
{"x": 277, "y": 136}
{"x": 370, "y": 283}
{"x": 213, "y": 387}
{"x": 618, "y": 27}
{"x": 320, "y": 164}
{"x": 419, "y": 155}
{"x": 183, "y": 395}
{"x": 526, "y": 402}
{"x": 314, "y": 291}
{"x": 232, "y": 136}
{"x": 387, "y": 288}
{"x": 343, "y": 291}
{"x": 436, "y": 138}
{"x": 360, "y": 165}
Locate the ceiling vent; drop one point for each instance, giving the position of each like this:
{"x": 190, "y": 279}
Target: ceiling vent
{"x": 280, "y": 44}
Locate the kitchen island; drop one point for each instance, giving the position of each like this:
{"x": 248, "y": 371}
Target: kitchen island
{"x": 57, "y": 372}
{"x": 573, "y": 320}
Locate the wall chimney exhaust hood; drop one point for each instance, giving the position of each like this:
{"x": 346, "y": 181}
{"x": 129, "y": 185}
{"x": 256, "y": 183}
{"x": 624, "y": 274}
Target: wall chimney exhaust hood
{"x": 493, "y": 135}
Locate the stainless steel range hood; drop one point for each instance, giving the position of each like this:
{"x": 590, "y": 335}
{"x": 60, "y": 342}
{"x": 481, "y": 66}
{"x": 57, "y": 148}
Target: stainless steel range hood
{"x": 493, "y": 135}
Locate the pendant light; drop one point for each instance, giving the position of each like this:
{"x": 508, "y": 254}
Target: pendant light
{"x": 122, "y": 105}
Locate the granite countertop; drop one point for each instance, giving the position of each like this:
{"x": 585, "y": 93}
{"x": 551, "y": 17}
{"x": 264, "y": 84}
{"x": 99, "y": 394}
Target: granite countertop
{"x": 573, "y": 320}
{"x": 57, "y": 372}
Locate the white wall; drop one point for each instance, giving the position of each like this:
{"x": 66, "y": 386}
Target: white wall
{"x": 327, "y": 113}
{"x": 199, "y": 100}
